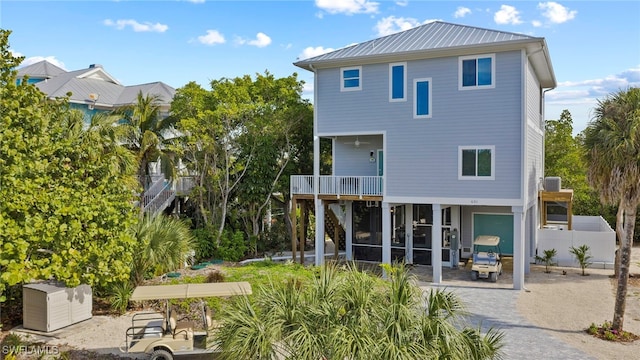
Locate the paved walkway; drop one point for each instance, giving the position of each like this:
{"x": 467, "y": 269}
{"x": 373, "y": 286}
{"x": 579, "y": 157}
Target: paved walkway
{"x": 497, "y": 308}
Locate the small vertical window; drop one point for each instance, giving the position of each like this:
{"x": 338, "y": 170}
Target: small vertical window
{"x": 476, "y": 162}
{"x": 350, "y": 78}
{"x": 397, "y": 81}
{"x": 422, "y": 98}
{"x": 476, "y": 72}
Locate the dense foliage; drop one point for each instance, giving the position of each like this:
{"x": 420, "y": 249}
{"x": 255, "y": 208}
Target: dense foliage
{"x": 67, "y": 202}
{"x": 349, "y": 314}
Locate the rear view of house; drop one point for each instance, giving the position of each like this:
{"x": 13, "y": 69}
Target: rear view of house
{"x": 437, "y": 135}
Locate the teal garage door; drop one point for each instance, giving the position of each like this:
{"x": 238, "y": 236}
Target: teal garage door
{"x": 495, "y": 224}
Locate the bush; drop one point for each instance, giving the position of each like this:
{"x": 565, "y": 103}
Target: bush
{"x": 205, "y": 243}
{"x": 232, "y": 246}
{"x": 120, "y": 295}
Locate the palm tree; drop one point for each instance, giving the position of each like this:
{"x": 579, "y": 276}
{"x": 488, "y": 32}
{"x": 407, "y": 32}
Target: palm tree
{"x": 162, "y": 245}
{"x": 612, "y": 141}
{"x": 349, "y": 314}
{"x": 147, "y": 134}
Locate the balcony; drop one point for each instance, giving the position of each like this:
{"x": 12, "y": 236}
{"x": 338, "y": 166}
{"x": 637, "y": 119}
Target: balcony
{"x": 348, "y": 187}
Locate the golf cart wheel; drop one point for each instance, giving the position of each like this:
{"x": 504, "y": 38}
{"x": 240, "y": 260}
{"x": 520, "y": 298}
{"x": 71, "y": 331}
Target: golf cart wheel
{"x": 493, "y": 276}
{"x": 161, "y": 354}
{"x": 474, "y": 275}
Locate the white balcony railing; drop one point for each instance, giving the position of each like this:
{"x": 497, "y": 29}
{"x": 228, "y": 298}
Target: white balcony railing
{"x": 338, "y": 185}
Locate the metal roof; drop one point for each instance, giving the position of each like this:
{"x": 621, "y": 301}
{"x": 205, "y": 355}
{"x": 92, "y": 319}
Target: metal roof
{"x": 42, "y": 69}
{"x": 434, "y": 39}
{"x": 95, "y": 80}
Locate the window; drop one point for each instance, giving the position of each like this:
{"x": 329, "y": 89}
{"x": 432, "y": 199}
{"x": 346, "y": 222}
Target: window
{"x": 397, "y": 81}
{"x": 476, "y": 163}
{"x": 476, "y": 72}
{"x": 350, "y": 78}
{"x": 422, "y": 98}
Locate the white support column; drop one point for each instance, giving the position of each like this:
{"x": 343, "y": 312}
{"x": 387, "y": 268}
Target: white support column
{"x": 319, "y": 232}
{"x": 408, "y": 227}
{"x": 436, "y": 244}
{"x": 518, "y": 248}
{"x": 386, "y": 233}
{"x": 349, "y": 230}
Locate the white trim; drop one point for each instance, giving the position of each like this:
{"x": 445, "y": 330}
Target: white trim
{"x": 415, "y": 98}
{"x": 492, "y": 148}
{"x": 404, "y": 82}
{"x": 532, "y": 124}
{"x": 476, "y": 57}
{"x": 454, "y": 201}
{"x": 342, "y": 70}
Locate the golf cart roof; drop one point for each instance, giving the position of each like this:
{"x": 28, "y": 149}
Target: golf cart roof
{"x": 487, "y": 240}
{"x": 184, "y": 291}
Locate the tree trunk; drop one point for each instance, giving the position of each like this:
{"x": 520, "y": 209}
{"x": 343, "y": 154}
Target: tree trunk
{"x": 619, "y": 237}
{"x": 625, "y": 261}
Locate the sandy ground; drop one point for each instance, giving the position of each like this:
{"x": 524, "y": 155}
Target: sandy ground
{"x": 562, "y": 302}
{"x": 565, "y": 305}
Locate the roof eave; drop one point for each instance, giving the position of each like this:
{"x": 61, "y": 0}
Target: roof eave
{"x": 417, "y": 55}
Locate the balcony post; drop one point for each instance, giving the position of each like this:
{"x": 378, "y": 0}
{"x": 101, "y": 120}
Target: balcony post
{"x": 294, "y": 227}
{"x": 319, "y": 232}
{"x": 386, "y": 233}
{"x": 436, "y": 244}
{"x": 349, "y": 230}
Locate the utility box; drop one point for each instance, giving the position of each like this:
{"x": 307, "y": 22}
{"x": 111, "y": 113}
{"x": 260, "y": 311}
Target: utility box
{"x": 49, "y": 306}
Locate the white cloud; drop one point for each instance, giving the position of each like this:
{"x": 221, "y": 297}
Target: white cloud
{"x": 311, "y": 51}
{"x": 461, "y": 11}
{"x": 507, "y": 15}
{"x": 536, "y": 23}
{"x": 556, "y": 13}
{"x": 588, "y": 91}
{"x": 348, "y": 7}
{"x": 260, "y": 41}
{"x": 35, "y": 59}
{"x": 213, "y": 37}
{"x": 136, "y": 26}
{"x": 391, "y": 25}
{"x": 196, "y": 1}
{"x": 402, "y": 3}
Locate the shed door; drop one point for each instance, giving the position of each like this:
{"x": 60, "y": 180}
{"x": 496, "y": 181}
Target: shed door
{"x": 495, "y": 224}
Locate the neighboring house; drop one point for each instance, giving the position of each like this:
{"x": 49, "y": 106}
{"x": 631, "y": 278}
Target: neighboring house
{"x": 436, "y": 130}
{"x": 92, "y": 89}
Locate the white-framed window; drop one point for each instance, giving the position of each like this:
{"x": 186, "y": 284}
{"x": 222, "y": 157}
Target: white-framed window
{"x": 351, "y": 78}
{"x": 422, "y": 98}
{"x": 476, "y": 162}
{"x": 397, "y": 81}
{"x": 477, "y": 72}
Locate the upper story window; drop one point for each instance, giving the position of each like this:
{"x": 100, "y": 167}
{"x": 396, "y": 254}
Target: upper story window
{"x": 350, "y": 78}
{"x": 476, "y": 72}
{"x": 476, "y": 162}
{"x": 422, "y": 98}
{"x": 397, "y": 81}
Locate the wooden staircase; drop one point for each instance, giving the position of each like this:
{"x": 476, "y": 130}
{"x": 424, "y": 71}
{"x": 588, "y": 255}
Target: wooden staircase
{"x": 334, "y": 230}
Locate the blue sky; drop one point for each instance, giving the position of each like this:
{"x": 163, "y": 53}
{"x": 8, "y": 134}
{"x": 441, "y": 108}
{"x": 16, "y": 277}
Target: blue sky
{"x": 594, "y": 45}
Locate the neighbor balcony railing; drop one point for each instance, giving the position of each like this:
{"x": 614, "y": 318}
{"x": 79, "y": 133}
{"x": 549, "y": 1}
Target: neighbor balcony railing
{"x": 338, "y": 185}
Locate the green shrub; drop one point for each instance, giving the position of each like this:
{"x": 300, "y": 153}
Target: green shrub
{"x": 547, "y": 259}
{"x": 120, "y": 295}
{"x": 582, "y": 255}
{"x": 205, "y": 243}
{"x": 232, "y": 246}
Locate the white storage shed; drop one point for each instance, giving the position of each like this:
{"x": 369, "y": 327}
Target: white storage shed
{"x": 48, "y": 306}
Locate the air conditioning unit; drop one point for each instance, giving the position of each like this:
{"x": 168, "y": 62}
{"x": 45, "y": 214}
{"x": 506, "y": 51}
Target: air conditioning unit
{"x": 552, "y": 183}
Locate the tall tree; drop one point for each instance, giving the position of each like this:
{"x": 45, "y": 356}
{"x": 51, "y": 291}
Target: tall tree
{"x": 66, "y": 205}
{"x": 147, "y": 133}
{"x": 563, "y": 157}
{"x": 612, "y": 140}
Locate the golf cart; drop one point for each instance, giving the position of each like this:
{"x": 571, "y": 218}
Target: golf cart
{"x": 486, "y": 263}
{"x": 163, "y": 335}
